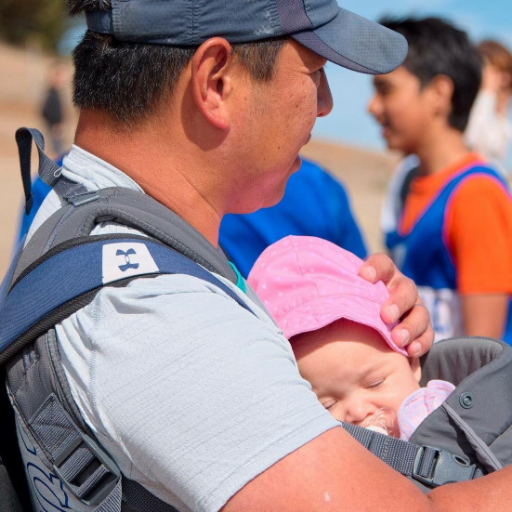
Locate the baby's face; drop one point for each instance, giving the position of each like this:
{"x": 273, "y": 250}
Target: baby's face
{"x": 353, "y": 371}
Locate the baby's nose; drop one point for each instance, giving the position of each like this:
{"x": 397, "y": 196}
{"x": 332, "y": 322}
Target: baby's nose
{"x": 358, "y": 411}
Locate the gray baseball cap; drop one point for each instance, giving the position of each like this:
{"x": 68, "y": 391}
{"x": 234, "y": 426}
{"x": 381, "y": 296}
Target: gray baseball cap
{"x": 320, "y": 25}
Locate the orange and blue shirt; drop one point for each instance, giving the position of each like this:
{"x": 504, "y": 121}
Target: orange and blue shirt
{"x": 454, "y": 238}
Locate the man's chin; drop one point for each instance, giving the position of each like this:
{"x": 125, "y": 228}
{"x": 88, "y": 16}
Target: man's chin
{"x": 296, "y": 165}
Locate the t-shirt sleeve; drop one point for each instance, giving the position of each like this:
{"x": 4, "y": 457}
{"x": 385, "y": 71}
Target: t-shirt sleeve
{"x": 479, "y": 228}
{"x": 191, "y": 394}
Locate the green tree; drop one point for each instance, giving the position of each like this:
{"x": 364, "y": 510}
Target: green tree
{"x": 21, "y": 20}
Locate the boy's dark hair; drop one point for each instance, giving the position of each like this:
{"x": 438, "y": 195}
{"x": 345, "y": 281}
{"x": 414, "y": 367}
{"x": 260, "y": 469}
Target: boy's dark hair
{"x": 128, "y": 80}
{"x": 438, "y": 48}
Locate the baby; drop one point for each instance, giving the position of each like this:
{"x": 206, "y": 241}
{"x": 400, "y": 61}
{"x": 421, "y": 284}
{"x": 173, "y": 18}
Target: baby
{"x": 332, "y": 318}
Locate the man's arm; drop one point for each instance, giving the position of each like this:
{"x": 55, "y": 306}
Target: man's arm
{"x": 336, "y": 474}
{"x": 484, "y": 315}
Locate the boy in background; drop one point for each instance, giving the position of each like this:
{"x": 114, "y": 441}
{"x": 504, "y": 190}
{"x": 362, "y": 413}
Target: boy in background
{"x": 454, "y": 237}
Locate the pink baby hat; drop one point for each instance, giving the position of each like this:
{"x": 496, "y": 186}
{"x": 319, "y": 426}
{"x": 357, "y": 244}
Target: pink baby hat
{"x": 307, "y": 283}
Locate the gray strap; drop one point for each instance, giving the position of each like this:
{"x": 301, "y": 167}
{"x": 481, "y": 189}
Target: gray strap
{"x": 400, "y": 455}
{"x": 482, "y": 451}
{"x": 82, "y": 466}
{"x": 69, "y": 189}
{"x": 430, "y": 466}
{"x": 44, "y": 376}
{"x": 133, "y": 209}
{"x": 48, "y": 170}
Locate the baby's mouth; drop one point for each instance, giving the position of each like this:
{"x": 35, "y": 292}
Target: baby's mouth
{"x": 383, "y": 422}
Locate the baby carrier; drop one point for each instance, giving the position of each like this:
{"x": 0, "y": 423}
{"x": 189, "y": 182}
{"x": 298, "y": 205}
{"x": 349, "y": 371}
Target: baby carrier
{"x": 61, "y": 269}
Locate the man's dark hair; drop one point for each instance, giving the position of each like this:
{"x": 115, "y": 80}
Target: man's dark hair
{"x": 128, "y": 80}
{"x": 438, "y": 48}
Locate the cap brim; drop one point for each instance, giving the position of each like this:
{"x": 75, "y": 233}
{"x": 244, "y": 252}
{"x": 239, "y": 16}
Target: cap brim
{"x": 356, "y": 43}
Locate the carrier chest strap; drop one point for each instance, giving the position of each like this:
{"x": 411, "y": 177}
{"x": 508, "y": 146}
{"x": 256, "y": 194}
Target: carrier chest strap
{"x": 430, "y": 466}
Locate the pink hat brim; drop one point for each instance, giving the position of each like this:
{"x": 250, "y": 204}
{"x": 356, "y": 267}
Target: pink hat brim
{"x": 321, "y": 311}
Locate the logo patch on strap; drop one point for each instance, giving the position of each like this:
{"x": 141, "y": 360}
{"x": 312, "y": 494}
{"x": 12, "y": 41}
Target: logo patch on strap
{"x": 126, "y": 260}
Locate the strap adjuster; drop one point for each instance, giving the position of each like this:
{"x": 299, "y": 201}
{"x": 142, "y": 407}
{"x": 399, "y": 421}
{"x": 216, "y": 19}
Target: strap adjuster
{"x": 446, "y": 468}
{"x": 98, "y": 477}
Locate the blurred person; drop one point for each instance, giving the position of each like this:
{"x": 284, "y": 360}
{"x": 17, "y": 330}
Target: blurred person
{"x": 314, "y": 204}
{"x": 52, "y": 109}
{"x": 454, "y": 235}
{"x": 489, "y": 132}
{"x": 489, "y": 129}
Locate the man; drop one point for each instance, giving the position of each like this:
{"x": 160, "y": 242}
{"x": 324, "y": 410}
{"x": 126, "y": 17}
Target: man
{"x": 195, "y": 398}
{"x": 314, "y": 204}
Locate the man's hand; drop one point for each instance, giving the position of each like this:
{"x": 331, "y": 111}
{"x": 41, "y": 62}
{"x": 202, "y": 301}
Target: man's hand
{"x": 404, "y": 305}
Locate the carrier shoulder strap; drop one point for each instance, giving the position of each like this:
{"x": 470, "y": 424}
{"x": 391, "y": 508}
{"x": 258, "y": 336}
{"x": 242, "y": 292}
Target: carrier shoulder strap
{"x": 67, "y": 277}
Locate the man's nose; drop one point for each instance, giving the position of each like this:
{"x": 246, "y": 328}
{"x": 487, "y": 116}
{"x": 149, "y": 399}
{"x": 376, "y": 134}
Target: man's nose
{"x": 324, "y": 102}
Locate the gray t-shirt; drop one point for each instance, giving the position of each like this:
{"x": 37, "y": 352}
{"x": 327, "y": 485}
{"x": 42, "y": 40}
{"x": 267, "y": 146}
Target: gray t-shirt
{"x": 192, "y": 395}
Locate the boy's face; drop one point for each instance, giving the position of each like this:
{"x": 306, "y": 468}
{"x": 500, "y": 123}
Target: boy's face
{"x": 354, "y": 372}
{"x": 402, "y": 108}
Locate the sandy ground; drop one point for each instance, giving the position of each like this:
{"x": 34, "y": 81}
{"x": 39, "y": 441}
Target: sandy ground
{"x": 22, "y": 87}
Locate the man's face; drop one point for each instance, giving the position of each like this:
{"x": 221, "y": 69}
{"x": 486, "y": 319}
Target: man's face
{"x": 277, "y": 121}
{"x": 402, "y": 108}
{"x": 354, "y": 373}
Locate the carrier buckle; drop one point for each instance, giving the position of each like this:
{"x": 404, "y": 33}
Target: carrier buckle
{"x": 95, "y": 480}
{"x": 446, "y": 468}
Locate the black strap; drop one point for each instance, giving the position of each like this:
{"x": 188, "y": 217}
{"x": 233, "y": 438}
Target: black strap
{"x": 14, "y": 493}
{"x": 48, "y": 170}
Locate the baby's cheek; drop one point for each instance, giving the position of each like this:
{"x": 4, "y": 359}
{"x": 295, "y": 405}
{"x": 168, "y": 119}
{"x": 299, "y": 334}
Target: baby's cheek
{"x": 401, "y": 392}
{"x": 337, "y": 412}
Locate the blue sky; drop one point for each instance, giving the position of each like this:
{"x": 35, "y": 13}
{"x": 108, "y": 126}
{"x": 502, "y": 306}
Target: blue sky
{"x": 349, "y": 122}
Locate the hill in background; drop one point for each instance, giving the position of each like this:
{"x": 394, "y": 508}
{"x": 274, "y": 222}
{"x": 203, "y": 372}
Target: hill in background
{"x": 22, "y": 87}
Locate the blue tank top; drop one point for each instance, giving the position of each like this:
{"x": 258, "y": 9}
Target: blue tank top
{"x": 424, "y": 256}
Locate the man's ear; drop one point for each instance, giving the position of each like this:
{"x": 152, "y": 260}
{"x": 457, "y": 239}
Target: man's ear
{"x": 441, "y": 92}
{"x": 211, "y": 80}
{"x": 415, "y": 367}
